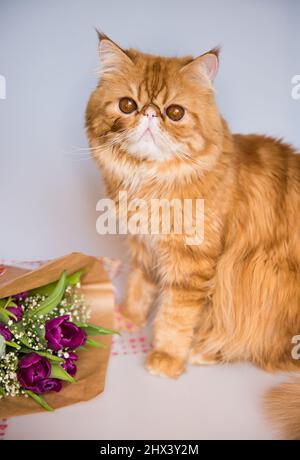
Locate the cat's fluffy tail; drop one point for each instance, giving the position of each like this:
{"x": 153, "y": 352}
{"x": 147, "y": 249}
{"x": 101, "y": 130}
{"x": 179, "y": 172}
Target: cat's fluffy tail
{"x": 283, "y": 407}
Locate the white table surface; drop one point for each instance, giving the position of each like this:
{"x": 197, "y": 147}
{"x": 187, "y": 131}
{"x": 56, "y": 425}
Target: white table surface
{"x": 218, "y": 402}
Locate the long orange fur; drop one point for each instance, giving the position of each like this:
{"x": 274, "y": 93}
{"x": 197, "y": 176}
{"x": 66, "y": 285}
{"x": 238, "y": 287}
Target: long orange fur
{"x": 237, "y": 295}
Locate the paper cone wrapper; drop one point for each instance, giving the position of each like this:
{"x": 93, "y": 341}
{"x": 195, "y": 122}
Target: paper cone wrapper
{"x": 92, "y": 362}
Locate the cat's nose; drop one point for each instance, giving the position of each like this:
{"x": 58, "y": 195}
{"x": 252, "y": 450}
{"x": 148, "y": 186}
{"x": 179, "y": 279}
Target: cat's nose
{"x": 150, "y": 111}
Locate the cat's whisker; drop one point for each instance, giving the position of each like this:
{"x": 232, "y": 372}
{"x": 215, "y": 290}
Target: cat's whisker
{"x": 85, "y": 149}
{"x": 178, "y": 153}
{"x": 81, "y": 151}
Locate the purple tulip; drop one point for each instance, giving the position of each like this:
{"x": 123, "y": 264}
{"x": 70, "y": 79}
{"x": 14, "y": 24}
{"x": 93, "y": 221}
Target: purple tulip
{"x": 21, "y": 296}
{"x": 34, "y": 374}
{"x": 5, "y": 332}
{"x": 32, "y": 369}
{"x": 17, "y": 311}
{"x": 61, "y": 333}
{"x": 69, "y": 365}
{"x": 48, "y": 385}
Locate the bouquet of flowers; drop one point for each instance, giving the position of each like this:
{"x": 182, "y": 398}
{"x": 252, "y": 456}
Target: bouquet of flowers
{"x": 42, "y": 330}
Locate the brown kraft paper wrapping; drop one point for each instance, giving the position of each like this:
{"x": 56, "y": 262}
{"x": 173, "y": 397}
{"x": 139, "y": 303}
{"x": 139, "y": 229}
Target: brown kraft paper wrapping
{"x": 92, "y": 362}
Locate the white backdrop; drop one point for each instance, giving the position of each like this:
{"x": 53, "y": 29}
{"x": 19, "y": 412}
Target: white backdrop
{"x": 48, "y": 53}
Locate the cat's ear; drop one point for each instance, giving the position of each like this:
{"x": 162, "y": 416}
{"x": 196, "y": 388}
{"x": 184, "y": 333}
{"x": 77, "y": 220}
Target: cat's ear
{"x": 205, "y": 67}
{"x": 112, "y": 58}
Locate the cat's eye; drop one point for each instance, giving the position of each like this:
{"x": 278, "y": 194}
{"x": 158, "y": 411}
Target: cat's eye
{"x": 127, "y": 105}
{"x": 175, "y": 112}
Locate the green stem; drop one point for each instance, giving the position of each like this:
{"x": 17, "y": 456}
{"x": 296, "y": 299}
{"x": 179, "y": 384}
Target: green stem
{"x": 12, "y": 344}
{"x": 40, "y": 400}
{"x": 53, "y": 300}
{"x": 93, "y": 343}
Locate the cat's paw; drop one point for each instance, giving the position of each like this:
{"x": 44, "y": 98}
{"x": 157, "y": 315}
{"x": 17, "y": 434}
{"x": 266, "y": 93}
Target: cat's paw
{"x": 164, "y": 365}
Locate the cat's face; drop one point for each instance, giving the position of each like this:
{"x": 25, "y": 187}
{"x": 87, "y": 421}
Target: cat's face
{"x": 152, "y": 108}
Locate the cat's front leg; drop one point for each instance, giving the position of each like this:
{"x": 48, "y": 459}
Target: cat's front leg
{"x": 173, "y": 331}
{"x": 140, "y": 296}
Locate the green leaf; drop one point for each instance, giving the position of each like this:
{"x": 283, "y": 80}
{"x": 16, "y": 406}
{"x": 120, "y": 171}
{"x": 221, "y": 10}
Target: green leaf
{"x": 48, "y": 288}
{"x": 10, "y": 304}
{"x": 2, "y": 346}
{"x": 82, "y": 348}
{"x": 12, "y": 344}
{"x": 40, "y": 400}
{"x": 53, "y": 300}
{"x": 7, "y": 303}
{"x": 72, "y": 280}
{"x": 2, "y": 391}
{"x": 24, "y": 340}
{"x": 91, "y": 329}
{"x": 41, "y": 335}
{"x": 11, "y": 315}
{"x": 27, "y": 350}
{"x": 57, "y": 372}
{"x": 2, "y": 303}
{"x": 44, "y": 290}
{"x": 53, "y": 358}
{"x": 93, "y": 343}
{"x": 9, "y": 299}
{"x": 4, "y": 316}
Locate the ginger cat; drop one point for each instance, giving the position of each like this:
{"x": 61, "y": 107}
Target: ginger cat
{"x": 155, "y": 131}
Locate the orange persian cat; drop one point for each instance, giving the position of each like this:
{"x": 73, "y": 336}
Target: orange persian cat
{"x": 156, "y": 132}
